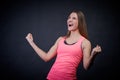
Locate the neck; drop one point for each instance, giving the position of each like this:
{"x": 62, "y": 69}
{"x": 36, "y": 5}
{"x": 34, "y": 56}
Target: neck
{"x": 75, "y": 34}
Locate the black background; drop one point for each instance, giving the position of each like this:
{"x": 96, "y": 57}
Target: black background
{"x": 46, "y": 20}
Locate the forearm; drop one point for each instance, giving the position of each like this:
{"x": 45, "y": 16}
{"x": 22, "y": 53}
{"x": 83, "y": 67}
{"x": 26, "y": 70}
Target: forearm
{"x": 40, "y": 52}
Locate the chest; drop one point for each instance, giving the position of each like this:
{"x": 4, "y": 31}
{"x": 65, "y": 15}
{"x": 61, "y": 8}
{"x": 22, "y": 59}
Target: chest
{"x": 74, "y": 49}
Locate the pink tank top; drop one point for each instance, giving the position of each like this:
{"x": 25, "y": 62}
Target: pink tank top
{"x": 67, "y": 61}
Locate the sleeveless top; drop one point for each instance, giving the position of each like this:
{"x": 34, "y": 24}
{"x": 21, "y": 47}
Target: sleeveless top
{"x": 67, "y": 61}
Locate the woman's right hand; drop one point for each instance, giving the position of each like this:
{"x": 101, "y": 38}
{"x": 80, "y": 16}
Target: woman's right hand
{"x": 29, "y": 37}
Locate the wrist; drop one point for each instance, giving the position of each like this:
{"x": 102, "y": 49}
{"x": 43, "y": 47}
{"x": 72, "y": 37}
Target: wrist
{"x": 93, "y": 53}
{"x": 31, "y": 42}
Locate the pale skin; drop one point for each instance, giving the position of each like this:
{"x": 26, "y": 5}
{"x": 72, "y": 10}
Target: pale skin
{"x": 72, "y": 23}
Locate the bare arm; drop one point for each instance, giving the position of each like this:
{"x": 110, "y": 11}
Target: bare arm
{"x": 46, "y": 56}
{"x": 88, "y": 53}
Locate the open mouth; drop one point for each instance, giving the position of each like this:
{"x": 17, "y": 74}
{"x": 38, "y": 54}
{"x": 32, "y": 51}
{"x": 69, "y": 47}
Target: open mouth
{"x": 70, "y": 25}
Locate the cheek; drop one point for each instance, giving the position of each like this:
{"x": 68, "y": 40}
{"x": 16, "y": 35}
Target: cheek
{"x": 76, "y": 25}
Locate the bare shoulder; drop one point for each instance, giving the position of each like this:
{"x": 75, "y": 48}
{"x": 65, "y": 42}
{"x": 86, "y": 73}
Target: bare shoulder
{"x": 59, "y": 38}
{"x": 86, "y": 43}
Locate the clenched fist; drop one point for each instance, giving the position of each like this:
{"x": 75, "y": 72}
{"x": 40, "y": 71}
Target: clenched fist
{"x": 29, "y": 37}
{"x": 96, "y": 49}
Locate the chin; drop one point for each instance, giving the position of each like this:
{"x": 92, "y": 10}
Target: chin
{"x": 71, "y": 29}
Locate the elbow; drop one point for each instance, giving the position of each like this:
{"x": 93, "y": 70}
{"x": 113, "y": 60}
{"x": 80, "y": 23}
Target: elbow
{"x": 46, "y": 59}
{"x": 85, "y": 67}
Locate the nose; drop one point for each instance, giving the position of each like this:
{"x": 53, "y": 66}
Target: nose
{"x": 69, "y": 20}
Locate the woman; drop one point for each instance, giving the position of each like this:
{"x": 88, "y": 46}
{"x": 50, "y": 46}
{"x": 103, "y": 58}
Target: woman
{"x": 70, "y": 49}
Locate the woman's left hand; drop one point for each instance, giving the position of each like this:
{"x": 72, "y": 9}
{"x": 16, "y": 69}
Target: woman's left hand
{"x": 96, "y": 49}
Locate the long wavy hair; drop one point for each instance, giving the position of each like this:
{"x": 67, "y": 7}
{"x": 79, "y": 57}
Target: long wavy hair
{"x": 82, "y": 27}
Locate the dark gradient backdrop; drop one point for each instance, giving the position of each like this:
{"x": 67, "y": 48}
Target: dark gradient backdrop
{"x": 46, "y": 20}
